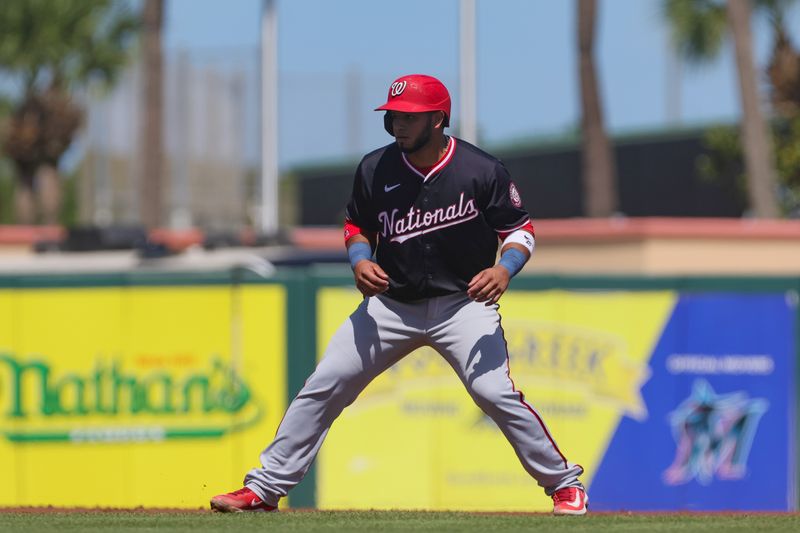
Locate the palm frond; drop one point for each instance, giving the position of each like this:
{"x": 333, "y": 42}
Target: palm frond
{"x": 698, "y": 28}
{"x": 70, "y": 40}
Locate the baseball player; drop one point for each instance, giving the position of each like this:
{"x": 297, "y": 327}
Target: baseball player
{"x": 422, "y": 230}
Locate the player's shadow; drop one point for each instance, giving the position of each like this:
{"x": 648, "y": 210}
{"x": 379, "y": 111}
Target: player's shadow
{"x": 492, "y": 352}
{"x": 367, "y": 340}
{"x": 367, "y": 337}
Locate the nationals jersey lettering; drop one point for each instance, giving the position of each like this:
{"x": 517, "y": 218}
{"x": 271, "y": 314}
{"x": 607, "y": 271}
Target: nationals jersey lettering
{"x": 434, "y": 231}
{"x": 417, "y": 222}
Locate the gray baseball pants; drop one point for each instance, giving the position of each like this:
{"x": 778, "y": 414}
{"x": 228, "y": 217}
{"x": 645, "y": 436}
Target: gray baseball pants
{"x": 378, "y": 334}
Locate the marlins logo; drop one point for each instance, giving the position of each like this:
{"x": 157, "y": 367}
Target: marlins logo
{"x": 713, "y": 435}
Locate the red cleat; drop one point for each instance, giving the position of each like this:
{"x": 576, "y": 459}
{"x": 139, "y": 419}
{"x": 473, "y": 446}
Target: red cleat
{"x": 570, "y": 501}
{"x": 240, "y": 501}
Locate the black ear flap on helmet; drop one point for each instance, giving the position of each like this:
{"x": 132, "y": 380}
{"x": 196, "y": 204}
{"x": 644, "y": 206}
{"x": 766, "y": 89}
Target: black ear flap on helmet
{"x": 387, "y": 123}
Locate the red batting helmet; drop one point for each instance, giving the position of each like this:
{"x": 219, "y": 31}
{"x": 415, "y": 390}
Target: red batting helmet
{"x": 416, "y": 93}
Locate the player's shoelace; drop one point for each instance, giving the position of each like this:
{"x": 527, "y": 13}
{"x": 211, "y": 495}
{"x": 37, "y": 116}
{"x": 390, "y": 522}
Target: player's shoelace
{"x": 565, "y": 495}
{"x": 240, "y": 491}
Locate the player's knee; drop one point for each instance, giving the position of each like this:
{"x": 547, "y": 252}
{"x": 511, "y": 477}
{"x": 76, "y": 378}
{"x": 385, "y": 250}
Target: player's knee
{"x": 326, "y": 385}
{"x": 485, "y": 393}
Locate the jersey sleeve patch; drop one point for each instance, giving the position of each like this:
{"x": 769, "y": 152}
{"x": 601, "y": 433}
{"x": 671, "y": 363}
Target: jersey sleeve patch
{"x": 503, "y": 208}
{"x": 513, "y": 194}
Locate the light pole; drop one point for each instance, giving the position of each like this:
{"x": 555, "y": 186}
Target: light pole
{"x": 268, "y": 214}
{"x": 468, "y": 122}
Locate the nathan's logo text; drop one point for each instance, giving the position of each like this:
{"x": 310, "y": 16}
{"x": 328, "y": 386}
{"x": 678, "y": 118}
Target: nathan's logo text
{"x": 31, "y": 392}
{"x": 417, "y": 222}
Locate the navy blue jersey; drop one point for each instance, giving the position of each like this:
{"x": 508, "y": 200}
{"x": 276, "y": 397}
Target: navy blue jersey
{"x": 435, "y": 231}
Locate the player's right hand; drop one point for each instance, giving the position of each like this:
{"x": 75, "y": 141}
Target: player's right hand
{"x": 370, "y": 278}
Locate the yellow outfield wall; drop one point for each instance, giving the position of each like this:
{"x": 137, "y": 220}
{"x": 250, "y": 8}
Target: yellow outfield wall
{"x": 414, "y": 439}
{"x": 157, "y": 396}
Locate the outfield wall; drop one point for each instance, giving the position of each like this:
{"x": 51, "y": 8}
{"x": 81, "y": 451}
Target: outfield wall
{"x": 124, "y": 391}
{"x": 160, "y": 390}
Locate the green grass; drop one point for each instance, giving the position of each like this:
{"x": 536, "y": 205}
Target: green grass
{"x": 312, "y": 521}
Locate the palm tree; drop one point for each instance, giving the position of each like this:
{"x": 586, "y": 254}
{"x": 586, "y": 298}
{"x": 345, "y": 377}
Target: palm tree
{"x": 599, "y": 181}
{"x": 50, "y": 49}
{"x": 151, "y": 132}
{"x": 784, "y": 65}
{"x": 699, "y": 28}
{"x": 40, "y": 131}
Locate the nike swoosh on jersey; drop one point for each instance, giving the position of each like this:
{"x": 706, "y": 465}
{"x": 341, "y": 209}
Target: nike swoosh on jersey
{"x": 387, "y": 188}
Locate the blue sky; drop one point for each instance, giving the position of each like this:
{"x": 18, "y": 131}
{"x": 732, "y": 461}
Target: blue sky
{"x": 527, "y": 72}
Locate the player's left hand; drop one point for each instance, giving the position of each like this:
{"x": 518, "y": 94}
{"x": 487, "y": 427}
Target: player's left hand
{"x": 489, "y": 285}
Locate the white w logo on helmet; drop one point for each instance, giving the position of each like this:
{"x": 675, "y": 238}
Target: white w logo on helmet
{"x": 397, "y": 88}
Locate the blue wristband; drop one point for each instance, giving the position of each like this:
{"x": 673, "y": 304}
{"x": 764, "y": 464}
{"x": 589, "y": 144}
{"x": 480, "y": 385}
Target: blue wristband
{"x": 513, "y": 260}
{"x": 358, "y": 251}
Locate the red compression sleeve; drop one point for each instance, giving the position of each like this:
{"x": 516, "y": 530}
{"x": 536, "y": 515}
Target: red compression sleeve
{"x": 351, "y": 229}
{"x": 527, "y": 227}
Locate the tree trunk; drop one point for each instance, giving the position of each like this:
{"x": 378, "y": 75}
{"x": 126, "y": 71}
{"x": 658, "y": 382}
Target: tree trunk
{"x": 49, "y": 189}
{"x": 758, "y": 155}
{"x": 599, "y": 183}
{"x": 24, "y": 202}
{"x": 151, "y": 182}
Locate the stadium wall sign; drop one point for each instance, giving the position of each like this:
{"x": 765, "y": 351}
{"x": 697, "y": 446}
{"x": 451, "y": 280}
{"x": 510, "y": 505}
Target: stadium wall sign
{"x": 113, "y": 392}
{"x": 168, "y": 390}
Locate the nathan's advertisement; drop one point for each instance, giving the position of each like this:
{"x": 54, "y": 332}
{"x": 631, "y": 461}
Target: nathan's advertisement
{"x": 669, "y": 401}
{"x": 138, "y": 396}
